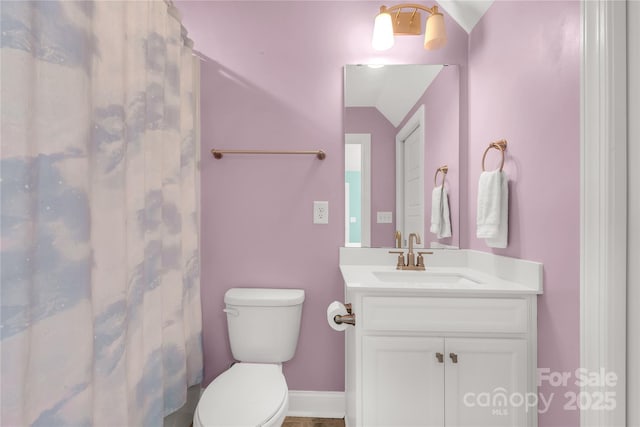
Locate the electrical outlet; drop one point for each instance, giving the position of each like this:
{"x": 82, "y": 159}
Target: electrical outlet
{"x": 320, "y": 212}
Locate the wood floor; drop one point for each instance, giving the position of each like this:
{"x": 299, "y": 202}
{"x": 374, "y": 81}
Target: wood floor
{"x": 312, "y": 422}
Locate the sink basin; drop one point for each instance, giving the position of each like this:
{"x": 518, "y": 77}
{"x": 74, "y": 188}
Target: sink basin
{"x": 425, "y": 277}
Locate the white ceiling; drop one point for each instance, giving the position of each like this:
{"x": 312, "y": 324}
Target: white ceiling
{"x": 393, "y": 90}
{"x": 467, "y": 13}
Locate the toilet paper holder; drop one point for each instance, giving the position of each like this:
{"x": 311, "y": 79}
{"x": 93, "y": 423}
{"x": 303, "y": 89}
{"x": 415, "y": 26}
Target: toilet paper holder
{"x": 349, "y": 319}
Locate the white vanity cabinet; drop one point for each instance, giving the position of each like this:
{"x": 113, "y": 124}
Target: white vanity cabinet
{"x": 441, "y": 359}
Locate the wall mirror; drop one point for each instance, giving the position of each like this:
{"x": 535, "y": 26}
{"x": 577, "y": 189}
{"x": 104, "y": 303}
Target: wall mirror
{"x": 401, "y": 124}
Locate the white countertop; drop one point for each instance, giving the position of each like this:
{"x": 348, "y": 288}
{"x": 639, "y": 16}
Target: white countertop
{"x": 450, "y": 271}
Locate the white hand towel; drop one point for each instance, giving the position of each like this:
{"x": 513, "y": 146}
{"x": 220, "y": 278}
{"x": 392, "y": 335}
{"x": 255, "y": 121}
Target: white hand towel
{"x": 493, "y": 201}
{"x": 440, "y": 218}
{"x": 500, "y": 241}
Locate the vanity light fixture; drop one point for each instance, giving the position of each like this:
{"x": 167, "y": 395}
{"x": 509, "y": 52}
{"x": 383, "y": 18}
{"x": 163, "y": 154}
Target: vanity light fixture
{"x": 393, "y": 21}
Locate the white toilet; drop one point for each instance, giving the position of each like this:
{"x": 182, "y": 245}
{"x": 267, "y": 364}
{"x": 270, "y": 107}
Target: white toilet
{"x": 264, "y": 325}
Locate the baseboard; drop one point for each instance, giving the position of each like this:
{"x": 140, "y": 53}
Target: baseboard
{"x": 318, "y": 404}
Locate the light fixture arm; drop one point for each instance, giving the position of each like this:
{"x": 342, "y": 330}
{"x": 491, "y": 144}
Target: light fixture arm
{"x": 431, "y": 10}
{"x": 405, "y": 23}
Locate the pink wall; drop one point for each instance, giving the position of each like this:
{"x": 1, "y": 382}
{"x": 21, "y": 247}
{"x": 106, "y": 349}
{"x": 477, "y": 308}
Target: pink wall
{"x": 524, "y": 75}
{"x": 383, "y": 166}
{"x": 274, "y": 80}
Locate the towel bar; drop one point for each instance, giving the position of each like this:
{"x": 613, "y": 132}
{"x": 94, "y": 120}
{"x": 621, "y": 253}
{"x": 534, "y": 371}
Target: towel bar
{"x": 500, "y": 145}
{"x": 218, "y": 153}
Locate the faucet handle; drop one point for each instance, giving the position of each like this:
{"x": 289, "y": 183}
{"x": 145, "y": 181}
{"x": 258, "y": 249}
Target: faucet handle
{"x": 421, "y": 258}
{"x": 400, "y": 263}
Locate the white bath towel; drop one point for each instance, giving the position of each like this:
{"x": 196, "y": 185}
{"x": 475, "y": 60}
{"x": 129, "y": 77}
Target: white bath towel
{"x": 440, "y": 218}
{"x": 493, "y": 200}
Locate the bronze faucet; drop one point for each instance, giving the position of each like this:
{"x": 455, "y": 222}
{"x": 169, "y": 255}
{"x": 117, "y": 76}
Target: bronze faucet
{"x": 411, "y": 260}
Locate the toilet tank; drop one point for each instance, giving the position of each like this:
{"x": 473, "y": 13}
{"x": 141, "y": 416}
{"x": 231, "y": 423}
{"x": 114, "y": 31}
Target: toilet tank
{"x": 264, "y": 324}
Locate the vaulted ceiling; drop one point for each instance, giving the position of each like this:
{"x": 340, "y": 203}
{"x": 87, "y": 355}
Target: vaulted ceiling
{"x": 392, "y": 89}
{"x": 466, "y": 13}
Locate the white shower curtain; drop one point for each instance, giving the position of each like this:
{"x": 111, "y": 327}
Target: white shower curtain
{"x": 100, "y": 299}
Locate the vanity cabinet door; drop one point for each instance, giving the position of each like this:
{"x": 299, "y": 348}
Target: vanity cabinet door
{"x": 402, "y": 381}
{"x": 486, "y": 382}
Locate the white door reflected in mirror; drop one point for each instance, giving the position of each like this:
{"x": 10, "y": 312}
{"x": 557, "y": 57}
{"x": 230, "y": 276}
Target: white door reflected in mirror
{"x": 410, "y": 143}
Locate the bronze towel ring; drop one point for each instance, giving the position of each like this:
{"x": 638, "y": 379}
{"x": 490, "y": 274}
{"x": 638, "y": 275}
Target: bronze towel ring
{"x": 498, "y": 145}
{"x": 444, "y": 169}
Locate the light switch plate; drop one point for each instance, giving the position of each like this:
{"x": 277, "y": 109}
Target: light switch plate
{"x": 385, "y": 218}
{"x": 320, "y": 212}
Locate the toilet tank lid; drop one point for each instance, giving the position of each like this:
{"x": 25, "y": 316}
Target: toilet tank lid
{"x": 263, "y": 297}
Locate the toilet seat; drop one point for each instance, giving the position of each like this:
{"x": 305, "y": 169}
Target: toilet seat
{"x": 247, "y": 394}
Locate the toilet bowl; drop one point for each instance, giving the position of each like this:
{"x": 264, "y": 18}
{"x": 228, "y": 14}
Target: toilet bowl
{"x": 247, "y": 394}
{"x": 264, "y": 325}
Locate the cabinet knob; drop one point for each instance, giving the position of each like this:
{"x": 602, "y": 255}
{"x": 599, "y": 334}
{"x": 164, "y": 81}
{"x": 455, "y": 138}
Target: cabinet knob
{"x": 440, "y": 357}
{"x": 454, "y": 357}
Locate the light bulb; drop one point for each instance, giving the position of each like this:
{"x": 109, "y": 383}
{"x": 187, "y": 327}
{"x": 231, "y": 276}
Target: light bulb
{"x": 435, "y": 35}
{"x": 382, "y": 32}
